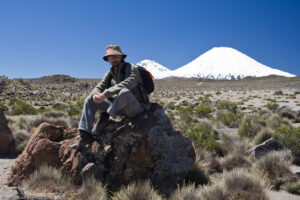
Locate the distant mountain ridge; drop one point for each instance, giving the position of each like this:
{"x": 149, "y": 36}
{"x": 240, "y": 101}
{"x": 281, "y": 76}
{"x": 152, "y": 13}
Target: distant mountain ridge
{"x": 219, "y": 63}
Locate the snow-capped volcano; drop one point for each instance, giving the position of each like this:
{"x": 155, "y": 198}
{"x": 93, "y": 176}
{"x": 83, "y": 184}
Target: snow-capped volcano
{"x": 225, "y": 63}
{"x": 157, "y": 70}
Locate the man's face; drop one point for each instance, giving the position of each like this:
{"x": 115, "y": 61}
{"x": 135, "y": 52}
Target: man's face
{"x": 114, "y": 60}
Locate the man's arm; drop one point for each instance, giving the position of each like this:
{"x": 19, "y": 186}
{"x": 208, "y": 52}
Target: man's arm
{"x": 130, "y": 82}
{"x": 105, "y": 83}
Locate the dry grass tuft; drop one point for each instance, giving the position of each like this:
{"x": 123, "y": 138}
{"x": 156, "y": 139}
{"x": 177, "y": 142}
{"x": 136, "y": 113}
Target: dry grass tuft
{"x": 137, "y": 191}
{"x": 276, "y": 121}
{"x": 273, "y": 167}
{"x": 235, "y": 160}
{"x": 91, "y": 189}
{"x": 263, "y": 135}
{"x": 236, "y": 184}
{"x": 21, "y": 139}
{"x": 234, "y": 145}
{"x": 49, "y": 180}
{"x": 186, "y": 192}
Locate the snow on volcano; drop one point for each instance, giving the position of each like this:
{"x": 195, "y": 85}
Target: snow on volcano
{"x": 156, "y": 69}
{"x": 225, "y": 63}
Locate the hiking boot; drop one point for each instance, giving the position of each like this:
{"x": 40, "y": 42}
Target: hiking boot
{"x": 85, "y": 138}
{"x": 101, "y": 123}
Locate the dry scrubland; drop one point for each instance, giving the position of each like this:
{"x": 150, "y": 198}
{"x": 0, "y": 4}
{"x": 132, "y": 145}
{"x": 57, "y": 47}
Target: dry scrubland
{"x": 248, "y": 112}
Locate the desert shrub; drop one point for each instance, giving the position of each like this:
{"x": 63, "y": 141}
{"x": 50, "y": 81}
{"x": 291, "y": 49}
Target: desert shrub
{"x": 186, "y": 192}
{"x": 137, "y": 191}
{"x": 272, "y": 106}
{"x": 227, "y": 105}
{"x": 218, "y": 93}
{"x": 278, "y": 92}
{"x": 250, "y": 126}
{"x": 275, "y": 121}
{"x": 171, "y": 106}
{"x": 234, "y": 145}
{"x": 55, "y": 114}
{"x": 19, "y": 107}
{"x": 72, "y": 110}
{"x": 290, "y": 137}
{"x": 203, "y": 111}
{"x": 287, "y": 113}
{"x": 56, "y": 121}
{"x": 203, "y": 136}
{"x": 235, "y": 160}
{"x": 48, "y": 179}
{"x": 293, "y": 187}
{"x": 21, "y": 139}
{"x": 235, "y": 184}
{"x": 205, "y": 101}
{"x": 3, "y": 107}
{"x": 208, "y": 161}
{"x": 274, "y": 168}
{"x": 232, "y": 120}
{"x": 263, "y": 135}
{"x": 185, "y": 113}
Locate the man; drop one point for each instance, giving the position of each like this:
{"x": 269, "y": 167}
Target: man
{"x": 119, "y": 93}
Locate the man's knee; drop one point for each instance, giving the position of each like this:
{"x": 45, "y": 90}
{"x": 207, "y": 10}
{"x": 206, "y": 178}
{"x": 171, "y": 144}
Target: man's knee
{"x": 124, "y": 91}
{"x": 88, "y": 100}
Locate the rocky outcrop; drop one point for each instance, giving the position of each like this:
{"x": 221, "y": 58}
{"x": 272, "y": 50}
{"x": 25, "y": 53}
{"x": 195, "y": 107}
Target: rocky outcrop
{"x": 7, "y": 140}
{"x": 266, "y": 147}
{"x": 146, "y": 147}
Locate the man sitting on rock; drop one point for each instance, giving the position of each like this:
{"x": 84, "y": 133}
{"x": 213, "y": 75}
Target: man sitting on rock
{"x": 119, "y": 93}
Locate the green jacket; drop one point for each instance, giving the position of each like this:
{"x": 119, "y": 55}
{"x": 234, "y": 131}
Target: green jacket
{"x": 128, "y": 77}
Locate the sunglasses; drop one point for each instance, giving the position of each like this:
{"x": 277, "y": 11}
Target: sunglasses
{"x": 113, "y": 56}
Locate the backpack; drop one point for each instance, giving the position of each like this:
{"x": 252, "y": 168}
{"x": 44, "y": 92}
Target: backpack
{"x": 147, "y": 79}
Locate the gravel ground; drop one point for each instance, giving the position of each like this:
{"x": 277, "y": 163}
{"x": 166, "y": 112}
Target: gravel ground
{"x": 6, "y": 193}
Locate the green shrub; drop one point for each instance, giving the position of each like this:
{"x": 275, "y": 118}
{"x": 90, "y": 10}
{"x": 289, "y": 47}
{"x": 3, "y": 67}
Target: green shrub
{"x": 203, "y": 111}
{"x": 205, "y": 101}
{"x": 171, "y": 106}
{"x": 293, "y": 188}
{"x": 271, "y": 106}
{"x": 72, "y": 110}
{"x": 3, "y": 107}
{"x": 290, "y": 137}
{"x": 19, "y": 107}
{"x": 229, "y": 119}
{"x": 218, "y": 93}
{"x": 278, "y": 92}
{"x": 227, "y": 105}
{"x": 202, "y": 135}
{"x": 185, "y": 113}
{"x": 250, "y": 126}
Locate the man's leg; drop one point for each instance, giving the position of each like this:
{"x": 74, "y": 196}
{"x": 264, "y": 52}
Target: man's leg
{"x": 88, "y": 114}
{"x": 87, "y": 119}
{"x": 125, "y": 104}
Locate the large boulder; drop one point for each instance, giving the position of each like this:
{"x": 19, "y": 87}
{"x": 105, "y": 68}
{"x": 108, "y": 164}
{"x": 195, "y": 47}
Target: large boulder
{"x": 266, "y": 147}
{"x": 7, "y": 140}
{"x": 146, "y": 147}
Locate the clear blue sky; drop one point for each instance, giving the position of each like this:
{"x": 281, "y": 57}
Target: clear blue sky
{"x": 46, "y": 37}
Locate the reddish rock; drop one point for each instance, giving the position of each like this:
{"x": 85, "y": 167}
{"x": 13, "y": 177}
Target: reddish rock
{"x": 7, "y": 140}
{"x": 146, "y": 147}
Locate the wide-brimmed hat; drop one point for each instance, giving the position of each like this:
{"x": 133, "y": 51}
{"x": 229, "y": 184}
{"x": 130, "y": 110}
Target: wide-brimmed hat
{"x": 113, "y": 50}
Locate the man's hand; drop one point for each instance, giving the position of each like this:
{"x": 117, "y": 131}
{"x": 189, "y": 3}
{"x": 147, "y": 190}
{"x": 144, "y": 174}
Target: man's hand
{"x": 99, "y": 98}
